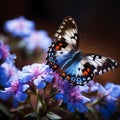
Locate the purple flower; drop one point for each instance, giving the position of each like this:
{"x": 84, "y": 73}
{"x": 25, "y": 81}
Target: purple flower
{"x": 19, "y": 26}
{"x": 72, "y": 96}
{"x": 38, "y": 73}
{"x": 37, "y": 39}
{"x": 7, "y": 70}
{"x": 4, "y": 50}
{"x": 16, "y": 90}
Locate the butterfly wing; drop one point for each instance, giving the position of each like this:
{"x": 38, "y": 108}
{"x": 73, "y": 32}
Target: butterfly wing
{"x": 64, "y": 44}
{"x": 102, "y": 64}
{"x": 83, "y": 69}
{"x": 68, "y": 32}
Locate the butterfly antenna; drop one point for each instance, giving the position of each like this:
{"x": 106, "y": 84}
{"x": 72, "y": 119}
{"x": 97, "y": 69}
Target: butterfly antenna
{"x": 96, "y": 46}
{"x": 99, "y": 44}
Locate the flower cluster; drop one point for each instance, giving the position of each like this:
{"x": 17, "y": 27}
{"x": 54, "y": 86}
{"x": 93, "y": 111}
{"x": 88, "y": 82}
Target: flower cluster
{"x": 39, "y": 74}
{"x": 7, "y": 66}
{"x": 71, "y": 95}
{"x": 38, "y": 92}
{"x": 105, "y": 103}
{"x": 30, "y": 37}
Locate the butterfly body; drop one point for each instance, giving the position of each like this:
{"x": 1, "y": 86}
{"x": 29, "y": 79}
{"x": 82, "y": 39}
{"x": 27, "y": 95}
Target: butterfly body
{"x": 76, "y": 67}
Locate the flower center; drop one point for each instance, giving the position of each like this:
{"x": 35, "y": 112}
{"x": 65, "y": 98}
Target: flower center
{"x": 15, "y": 85}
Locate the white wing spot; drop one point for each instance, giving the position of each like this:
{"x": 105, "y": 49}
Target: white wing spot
{"x": 53, "y": 45}
{"x": 56, "y": 34}
{"x": 100, "y": 72}
{"x": 61, "y": 26}
{"x": 73, "y": 22}
{"x": 95, "y": 71}
{"x": 76, "y": 37}
{"x": 116, "y": 63}
{"x": 104, "y": 70}
{"x": 59, "y": 36}
{"x": 63, "y": 23}
{"x": 88, "y": 78}
{"x": 70, "y": 18}
{"x": 91, "y": 74}
{"x": 112, "y": 60}
{"x": 84, "y": 82}
{"x": 113, "y": 67}
{"x": 59, "y": 31}
{"x": 66, "y": 20}
{"x": 108, "y": 69}
{"x": 92, "y": 55}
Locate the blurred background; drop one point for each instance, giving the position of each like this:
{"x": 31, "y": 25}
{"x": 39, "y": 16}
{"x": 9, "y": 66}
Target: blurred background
{"x": 98, "y": 23}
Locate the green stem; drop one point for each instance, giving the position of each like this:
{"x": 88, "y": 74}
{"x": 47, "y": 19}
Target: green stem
{"x": 29, "y": 100}
{"x": 93, "y": 112}
{"x": 38, "y": 102}
{"x": 98, "y": 100}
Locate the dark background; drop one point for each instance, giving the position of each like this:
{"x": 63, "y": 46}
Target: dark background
{"x": 98, "y": 23}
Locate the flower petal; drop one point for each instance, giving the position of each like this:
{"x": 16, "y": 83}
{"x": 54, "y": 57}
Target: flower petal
{"x": 47, "y": 77}
{"x": 24, "y": 76}
{"x": 70, "y": 106}
{"x": 5, "y": 95}
{"x": 58, "y": 96}
{"x": 20, "y": 96}
{"x": 25, "y": 87}
{"x": 39, "y": 83}
{"x": 15, "y": 102}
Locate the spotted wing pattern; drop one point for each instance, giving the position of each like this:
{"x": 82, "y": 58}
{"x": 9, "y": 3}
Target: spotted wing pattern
{"x": 63, "y": 54}
{"x": 82, "y": 70}
{"x": 64, "y": 45}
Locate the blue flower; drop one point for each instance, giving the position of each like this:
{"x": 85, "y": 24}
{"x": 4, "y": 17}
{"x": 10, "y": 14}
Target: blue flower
{"x": 16, "y": 90}
{"x": 7, "y": 70}
{"x": 108, "y": 109}
{"x": 19, "y": 27}
{"x": 93, "y": 87}
{"x": 5, "y": 53}
{"x": 114, "y": 90}
{"x": 72, "y": 96}
{"x": 108, "y": 97}
{"x": 38, "y": 73}
{"x": 37, "y": 39}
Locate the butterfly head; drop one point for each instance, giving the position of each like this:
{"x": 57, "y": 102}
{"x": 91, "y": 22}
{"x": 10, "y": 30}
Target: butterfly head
{"x": 77, "y": 54}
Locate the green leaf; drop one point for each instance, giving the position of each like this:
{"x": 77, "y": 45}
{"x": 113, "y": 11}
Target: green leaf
{"x": 53, "y": 116}
{"x": 32, "y": 115}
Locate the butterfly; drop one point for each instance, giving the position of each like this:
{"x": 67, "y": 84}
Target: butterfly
{"x": 76, "y": 67}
